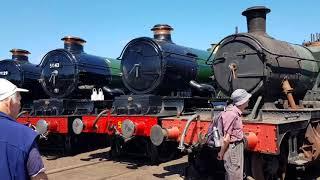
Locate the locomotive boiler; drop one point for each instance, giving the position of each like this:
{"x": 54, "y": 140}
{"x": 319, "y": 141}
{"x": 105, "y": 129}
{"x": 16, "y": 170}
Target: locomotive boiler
{"x": 259, "y": 63}
{"x": 160, "y": 73}
{"x": 23, "y": 74}
{"x": 72, "y": 79}
{"x": 159, "y": 66}
{"x": 281, "y": 130}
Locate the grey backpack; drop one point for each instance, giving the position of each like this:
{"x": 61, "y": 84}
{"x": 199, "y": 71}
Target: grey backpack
{"x": 215, "y": 132}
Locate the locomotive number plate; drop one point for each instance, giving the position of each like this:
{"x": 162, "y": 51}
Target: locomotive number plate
{"x": 54, "y": 65}
{"x": 4, "y": 73}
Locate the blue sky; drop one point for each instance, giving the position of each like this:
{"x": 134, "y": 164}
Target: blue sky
{"x": 107, "y": 25}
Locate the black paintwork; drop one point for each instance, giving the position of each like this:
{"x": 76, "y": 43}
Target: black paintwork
{"x": 262, "y": 62}
{"x": 72, "y": 73}
{"x": 158, "y": 67}
{"x": 24, "y": 75}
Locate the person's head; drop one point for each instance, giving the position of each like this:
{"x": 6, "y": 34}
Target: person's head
{"x": 240, "y": 98}
{"x": 10, "y": 98}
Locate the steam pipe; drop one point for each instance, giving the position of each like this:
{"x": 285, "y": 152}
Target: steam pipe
{"x": 287, "y": 89}
{"x": 202, "y": 87}
{"x": 21, "y": 113}
{"x": 255, "y": 108}
{"x": 113, "y": 91}
{"x": 181, "y": 144}
{"x": 98, "y": 117}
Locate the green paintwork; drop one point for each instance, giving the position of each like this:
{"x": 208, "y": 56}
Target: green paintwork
{"x": 114, "y": 65}
{"x": 315, "y": 50}
{"x": 312, "y": 66}
{"x": 204, "y": 71}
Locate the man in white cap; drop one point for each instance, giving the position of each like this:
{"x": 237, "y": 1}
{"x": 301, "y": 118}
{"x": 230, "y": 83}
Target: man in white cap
{"x": 232, "y": 148}
{"x": 19, "y": 155}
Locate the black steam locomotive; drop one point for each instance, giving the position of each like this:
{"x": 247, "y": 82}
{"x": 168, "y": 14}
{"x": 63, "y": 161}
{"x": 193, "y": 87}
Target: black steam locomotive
{"x": 70, "y": 76}
{"x": 78, "y": 85}
{"x": 165, "y": 80}
{"x": 23, "y": 74}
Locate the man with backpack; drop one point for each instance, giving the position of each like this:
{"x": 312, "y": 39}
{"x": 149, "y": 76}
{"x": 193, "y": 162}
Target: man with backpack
{"x": 232, "y": 144}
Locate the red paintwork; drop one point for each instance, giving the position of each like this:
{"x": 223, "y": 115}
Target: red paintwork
{"x": 143, "y": 123}
{"x": 267, "y": 137}
{"x": 105, "y": 124}
{"x": 196, "y": 128}
{"x": 56, "y": 124}
{"x": 101, "y": 124}
{"x": 173, "y": 133}
{"x": 265, "y": 134}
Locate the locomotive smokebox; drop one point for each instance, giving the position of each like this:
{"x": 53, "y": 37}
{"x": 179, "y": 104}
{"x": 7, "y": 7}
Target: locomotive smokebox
{"x": 162, "y": 32}
{"x": 72, "y": 73}
{"x": 20, "y": 55}
{"x": 256, "y": 19}
{"x": 258, "y": 63}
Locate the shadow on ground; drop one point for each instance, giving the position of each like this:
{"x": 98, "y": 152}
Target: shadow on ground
{"x": 135, "y": 162}
{"x": 172, "y": 170}
{"x": 56, "y": 147}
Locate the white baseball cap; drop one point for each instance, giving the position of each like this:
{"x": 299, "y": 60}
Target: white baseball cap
{"x": 240, "y": 96}
{"x": 7, "y": 89}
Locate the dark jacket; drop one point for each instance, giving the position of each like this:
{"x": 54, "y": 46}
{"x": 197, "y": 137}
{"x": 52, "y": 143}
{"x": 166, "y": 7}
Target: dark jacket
{"x": 16, "y": 141}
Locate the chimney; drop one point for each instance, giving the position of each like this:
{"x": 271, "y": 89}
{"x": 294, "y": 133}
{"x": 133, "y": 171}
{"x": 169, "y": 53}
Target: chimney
{"x": 20, "y": 55}
{"x": 73, "y": 43}
{"x": 256, "y": 19}
{"x": 162, "y": 32}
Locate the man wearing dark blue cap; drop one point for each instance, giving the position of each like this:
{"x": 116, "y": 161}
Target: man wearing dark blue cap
{"x": 19, "y": 155}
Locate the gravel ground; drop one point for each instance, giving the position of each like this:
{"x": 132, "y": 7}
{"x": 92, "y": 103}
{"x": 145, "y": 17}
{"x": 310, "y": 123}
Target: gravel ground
{"x": 101, "y": 167}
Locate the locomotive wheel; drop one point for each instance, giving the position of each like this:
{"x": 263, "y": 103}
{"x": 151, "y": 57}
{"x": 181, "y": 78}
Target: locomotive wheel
{"x": 165, "y": 152}
{"x": 116, "y": 146}
{"x": 267, "y": 167}
{"x": 257, "y": 166}
{"x": 68, "y": 145}
{"x": 203, "y": 164}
